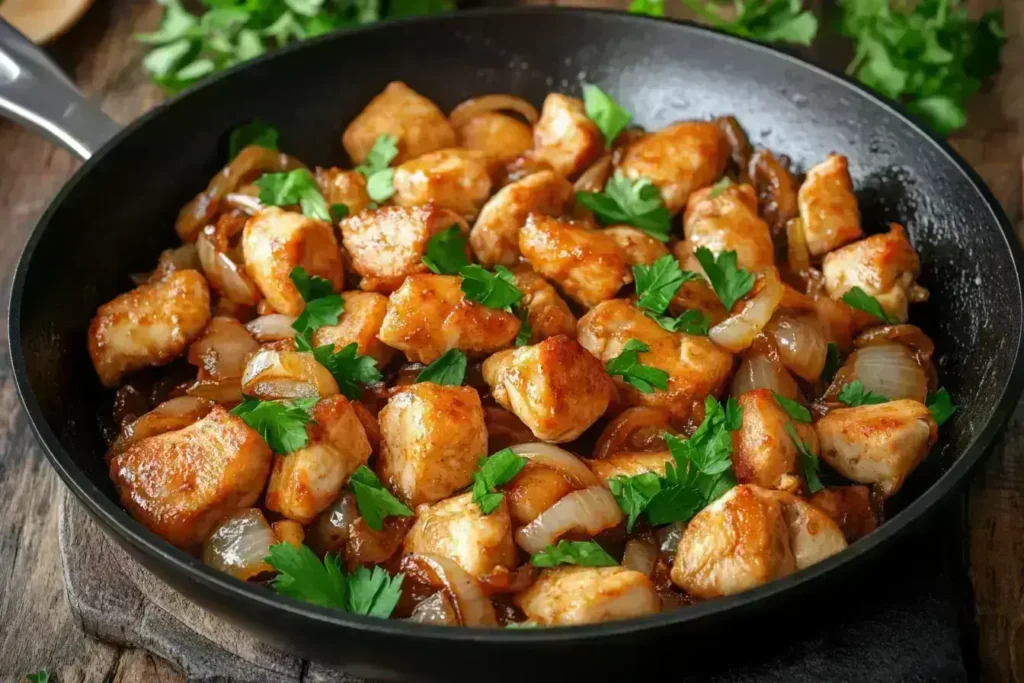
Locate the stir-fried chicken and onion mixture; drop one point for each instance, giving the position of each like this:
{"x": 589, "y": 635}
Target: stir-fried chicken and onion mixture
{"x": 519, "y": 368}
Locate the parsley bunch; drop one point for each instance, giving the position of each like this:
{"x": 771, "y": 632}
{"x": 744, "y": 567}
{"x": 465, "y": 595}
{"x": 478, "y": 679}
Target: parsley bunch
{"x": 770, "y": 21}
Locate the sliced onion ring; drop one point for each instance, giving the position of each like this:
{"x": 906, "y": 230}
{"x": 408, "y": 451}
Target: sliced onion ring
{"x": 640, "y": 555}
{"x": 591, "y": 510}
{"x": 737, "y": 332}
{"x": 436, "y": 610}
{"x": 890, "y": 370}
{"x": 557, "y": 459}
{"x": 594, "y": 178}
{"x": 801, "y": 343}
{"x": 225, "y": 276}
{"x": 273, "y": 327}
{"x": 240, "y": 544}
{"x": 472, "y": 606}
{"x": 758, "y": 371}
{"x": 640, "y": 428}
{"x": 483, "y": 104}
{"x": 169, "y": 416}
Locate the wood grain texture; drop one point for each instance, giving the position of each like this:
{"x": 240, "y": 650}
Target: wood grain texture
{"x": 37, "y": 629}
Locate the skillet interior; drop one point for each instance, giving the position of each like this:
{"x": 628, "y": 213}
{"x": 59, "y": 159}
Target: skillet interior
{"x": 117, "y": 214}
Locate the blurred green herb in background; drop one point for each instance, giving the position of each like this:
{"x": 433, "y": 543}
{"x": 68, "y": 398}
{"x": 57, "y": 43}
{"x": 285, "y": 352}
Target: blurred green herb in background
{"x": 189, "y": 46}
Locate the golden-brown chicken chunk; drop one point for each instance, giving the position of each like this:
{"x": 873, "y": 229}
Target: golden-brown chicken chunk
{"x": 726, "y": 220}
{"x": 429, "y": 315}
{"x": 813, "y": 535}
{"x": 696, "y": 367}
{"x": 564, "y": 137}
{"x": 495, "y": 235}
{"x": 305, "y": 482}
{"x": 639, "y": 247}
{"x": 557, "y": 388}
{"x": 415, "y": 121}
{"x": 181, "y": 484}
{"x": 275, "y": 242}
{"x": 343, "y": 187}
{"x": 828, "y": 207}
{"x": 587, "y": 264}
{"x": 547, "y": 313}
{"x": 884, "y": 266}
{"x": 877, "y": 444}
{"x": 850, "y": 507}
{"x": 588, "y": 595}
{"x": 359, "y": 323}
{"x": 502, "y": 138}
{"x": 433, "y": 437}
{"x": 535, "y": 489}
{"x": 679, "y": 159}
{"x": 151, "y": 325}
{"x": 456, "y": 528}
{"x": 454, "y": 179}
{"x": 763, "y": 453}
{"x": 630, "y": 464}
{"x": 387, "y": 244}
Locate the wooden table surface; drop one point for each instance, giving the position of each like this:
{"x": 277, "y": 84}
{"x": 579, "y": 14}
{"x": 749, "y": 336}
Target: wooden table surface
{"x": 36, "y": 627}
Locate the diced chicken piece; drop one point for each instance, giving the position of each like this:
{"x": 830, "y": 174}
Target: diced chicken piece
{"x": 415, "y": 121}
{"x": 456, "y": 528}
{"x": 359, "y": 323}
{"x": 564, "y": 137}
{"x": 588, "y": 595}
{"x": 429, "y": 315}
{"x": 534, "y": 490}
{"x": 639, "y": 247}
{"x": 149, "y": 326}
{"x": 726, "y": 220}
{"x": 343, "y": 187}
{"x": 275, "y": 242}
{"x": 387, "y": 244}
{"x": 630, "y": 464}
{"x": 696, "y": 366}
{"x": 547, "y": 313}
{"x": 454, "y": 179}
{"x": 557, "y": 388}
{"x": 181, "y": 484}
{"x": 289, "y": 531}
{"x": 495, "y": 235}
{"x": 763, "y": 452}
{"x": 433, "y": 437}
{"x": 849, "y": 507}
{"x": 587, "y": 264}
{"x": 884, "y": 266}
{"x": 736, "y": 543}
{"x": 679, "y": 159}
{"x": 813, "y": 535}
{"x": 828, "y": 207}
{"x": 877, "y": 444}
{"x": 305, "y": 482}
{"x": 502, "y": 138}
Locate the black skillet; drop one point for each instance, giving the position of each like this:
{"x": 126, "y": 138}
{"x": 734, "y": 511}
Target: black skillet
{"x": 116, "y": 215}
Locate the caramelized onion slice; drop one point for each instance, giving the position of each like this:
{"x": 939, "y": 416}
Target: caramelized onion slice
{"x": 758, "y": 371}
{"x": 799, "y": 256}
{"x": 890, "y": 370}
{"x": 223, "y": 349}
{"x": 737, "y": 332}
{"x": 559, "y": 460}
{"x": 594, "y": 178}
{"x": 273, "y": 327}
{"x": 483, "y": 104}
{"x": 472, "y": 606}
{"x": 329, "y": 532}
{"x": 640, "y": 555}
{"x": 640, "y": 428}
{"x": 240, "y": 544}
{"x": 169, "y": 416}
{"x": 226, "y": 391}
{"x": 591, "y": 510}
{"x": 436, "y": 610}
{"x": 273, "y": 374}
{"x": 801, "y": 343}
{"x": 225, "y": 276}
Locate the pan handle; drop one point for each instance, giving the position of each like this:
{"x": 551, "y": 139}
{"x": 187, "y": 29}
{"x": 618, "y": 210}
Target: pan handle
{"x": 35, "y": 93}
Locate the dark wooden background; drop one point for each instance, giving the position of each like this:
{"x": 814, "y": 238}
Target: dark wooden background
{"x": 36, "y": 627}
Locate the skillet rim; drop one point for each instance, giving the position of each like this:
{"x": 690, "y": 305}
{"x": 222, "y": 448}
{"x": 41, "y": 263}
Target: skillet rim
{"x": 118, "y": 521}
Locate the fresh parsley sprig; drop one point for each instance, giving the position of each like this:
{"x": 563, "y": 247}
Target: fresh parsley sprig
{"x": 446, "y": 252}
{"x": 853, "y": 395}
{"x": 768, "y": 21}
{"x": 351, "y": 370}
{"x": 941, "y": 405}
{"x": 255, "y": 132}
{"x": 832, "y": 361}
{"x": 862, "y": 301}
{"x": 580, "y": 553}
{"x": 693, "y": 322}
{"x": 492, "y": 472}
{"x": 380, "y": 179}
{"x": 373, "y": 500}
{"x": 301, "y": 575}
{"x": 41, "y": 676}
{"x": 449, "y": 369}
{"x": 282, "y": 424}
{"x": 794, "y": 409}
{"x": 628, "y": 366}
{"x": 605, "y": 112}
{"x": 730, "y": 282}
{"x": 656, "y": 284}
{"x": 294, "y": 187}
{"x": 494, "y": 290}
{"x": 809, "y": 462}
{"x": 636, "y": 203}
{"x": 323, "y": 305}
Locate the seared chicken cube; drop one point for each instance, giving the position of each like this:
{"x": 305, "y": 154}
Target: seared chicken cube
{"x": 849, "y": 507}
{"x": 884, "y": 266}
{"x": 763, "y": 453}
{"x": 359, "y": 323}
{"x": 343, "y": 187}
{"x": 454, "y": 179}
{"x": 587, "y": 264}
{"x": 415, "y": 121}
{"x": 679, "y": 159}
{"x": 813, "y": 535}
{"x": 557, "y": 388}
{"x": 630, "y": 464}
{"x": 182, "y": 484}
{"x": 828, "y": 207}
{"x": 275, "y": 242}
{"x": 387, "y": 244}
{"x": 639, "y": 247}
{"x": 495, "y": 235}
{"x": 564, "y": 137}
{"x": 696, "y": 366}
{"x": 535, "y": 489}
{"x": 547, "y": 313}
{"x": 429, "y": 315}
{"x": 726, "y": 220}
{"x": 305, "y": 482}
{"x": 502, "y": 138}
{"x": 877, "y": 444}
{"x": 588, "y": 595}
{"x": 151, "y": 325}
{"x": 456, "y": 528}
{"x": 433, "y": 437}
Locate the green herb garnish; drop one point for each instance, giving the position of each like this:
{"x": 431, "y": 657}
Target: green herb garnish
{"x": 862, "y": 301}
{"x": 809, "y": 462}
{"x": 294, "y": 187}
{"x": 628, "y": 366}
{"x": 730, "y": 282}
{"x": 282, "y": 424}
{"x": 941, "y": 405}
{"x": 492, "y": 472}
{"x": 253, "y": 133}
{"x": 581, "y": 553}
{"x": 635, "y": 203}
{"x": 449, "y": 369}
{"x": 373, "y": 500}
{"x": 853, "y": 395}
{"x": 446, "y": 252}
{"x": 794, "y": 409}
{"x": 610, "y": 118}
